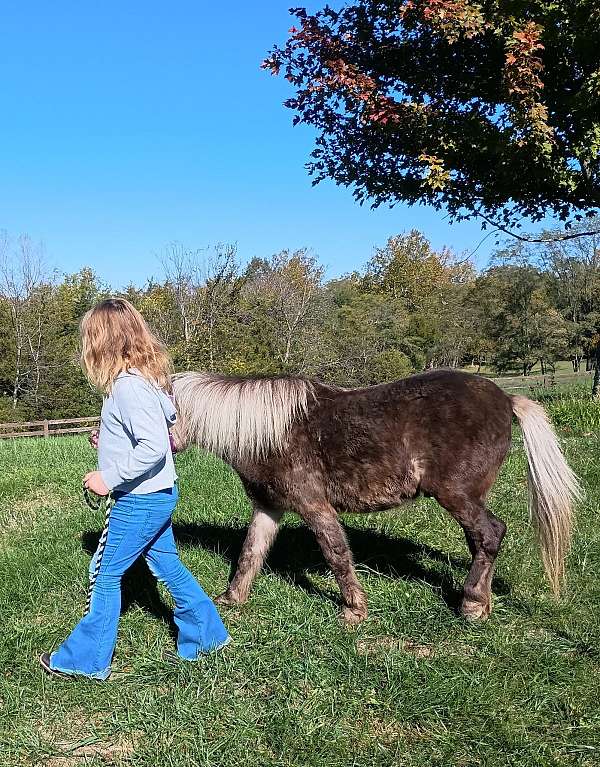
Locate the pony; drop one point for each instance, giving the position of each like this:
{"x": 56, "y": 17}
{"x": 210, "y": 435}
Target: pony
{"x": 317, "y": 450}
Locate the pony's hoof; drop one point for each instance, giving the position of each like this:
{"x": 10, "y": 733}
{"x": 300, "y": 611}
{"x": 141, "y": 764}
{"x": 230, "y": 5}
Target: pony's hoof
{"x": 226, "y": 598}
{"x": 352, "y": 616}
{"x": 475, "y": 611}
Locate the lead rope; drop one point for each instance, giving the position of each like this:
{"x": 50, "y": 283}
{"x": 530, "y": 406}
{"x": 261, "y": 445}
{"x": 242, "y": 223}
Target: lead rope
{"x": 95, "y": 503}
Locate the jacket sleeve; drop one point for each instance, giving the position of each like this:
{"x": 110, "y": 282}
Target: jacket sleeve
{"x": 141, "y": 416}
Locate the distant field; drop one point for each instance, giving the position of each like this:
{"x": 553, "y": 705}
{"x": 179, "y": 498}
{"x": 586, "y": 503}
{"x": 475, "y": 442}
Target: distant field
{"x": 561, "y": 367}
{"x": 561, "y": 376}
{"x": 414, "y": 686}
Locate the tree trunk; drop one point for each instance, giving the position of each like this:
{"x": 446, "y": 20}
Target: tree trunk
{"x": 596, "y": 382}
{"x": 17, "y": 380}
{"x": 288, "y": 349}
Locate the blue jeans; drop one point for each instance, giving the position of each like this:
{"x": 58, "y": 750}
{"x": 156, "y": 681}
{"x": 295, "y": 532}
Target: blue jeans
{"x": 140, "y": 525}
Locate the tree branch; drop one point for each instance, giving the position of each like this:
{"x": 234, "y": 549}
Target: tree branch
{"x": 525, "y": 238}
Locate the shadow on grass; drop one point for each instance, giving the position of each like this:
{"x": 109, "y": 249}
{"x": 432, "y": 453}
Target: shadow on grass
{"x": 295, "y": 553}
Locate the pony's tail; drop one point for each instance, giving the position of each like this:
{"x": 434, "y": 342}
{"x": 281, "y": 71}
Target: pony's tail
{"x": 553, "y": 487}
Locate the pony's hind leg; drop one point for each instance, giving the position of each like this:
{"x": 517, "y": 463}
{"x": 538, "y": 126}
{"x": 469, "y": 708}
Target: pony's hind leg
{"x": 261, "y": 534}
{"x": 322, "y": 519}
{"x": 484, "y": 533}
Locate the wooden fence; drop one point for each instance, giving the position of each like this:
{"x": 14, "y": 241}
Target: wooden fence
{"x": 49, "y": 428}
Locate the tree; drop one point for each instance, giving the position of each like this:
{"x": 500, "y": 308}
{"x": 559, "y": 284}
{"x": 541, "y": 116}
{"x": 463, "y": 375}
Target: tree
{"x": 202, "y": 285}
{"x": 157, "y": 302}
{"x": 24, "y": 289}
{"x": 489, "y": 109}
{"x": 220, "y": 291}
{"x": 519, "y": 317}
{"x": 366, "y": 336}
{"x": 411, "y": 307}
{"x": 65, "y": 391}
{"x": 283, "y": 294}
{"x": 430, "y": 287}
{"x": 574, "y": 271}
{"x": 572, "y": 276}
{"x": 595, "y": 345}
{"x": 408, "y": 269}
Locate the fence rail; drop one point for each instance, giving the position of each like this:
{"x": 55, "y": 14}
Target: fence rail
{"x": 548, "y": 380}
{"x": 49, "y": 427}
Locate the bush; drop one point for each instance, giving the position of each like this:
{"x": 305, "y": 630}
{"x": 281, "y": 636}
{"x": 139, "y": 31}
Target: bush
{"x": 389, "y": 366}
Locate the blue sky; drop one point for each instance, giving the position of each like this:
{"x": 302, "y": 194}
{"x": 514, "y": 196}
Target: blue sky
{"x": 129, "y": 125}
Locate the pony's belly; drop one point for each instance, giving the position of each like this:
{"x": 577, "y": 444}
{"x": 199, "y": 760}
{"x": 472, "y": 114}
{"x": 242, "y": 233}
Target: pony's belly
{"x": 360, "y": 497}
{"x": 364, "y": 507}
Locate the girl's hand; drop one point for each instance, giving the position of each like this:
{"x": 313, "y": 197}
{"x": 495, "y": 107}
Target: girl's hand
{"x": 94, "y": 482}
{"x": 93, "y": 438}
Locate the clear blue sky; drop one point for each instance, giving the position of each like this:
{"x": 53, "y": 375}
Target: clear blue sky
{"x": 127, "y": 125}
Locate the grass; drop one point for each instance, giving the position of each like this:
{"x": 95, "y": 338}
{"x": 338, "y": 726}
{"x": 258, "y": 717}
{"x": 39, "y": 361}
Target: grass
{"x": 572, "y": 410}
{"x": 414, "y": 686}
{"x": 561, "y": 368}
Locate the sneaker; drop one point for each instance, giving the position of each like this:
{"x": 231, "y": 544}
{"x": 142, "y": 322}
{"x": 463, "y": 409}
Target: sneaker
{"x": 44, "y": 660}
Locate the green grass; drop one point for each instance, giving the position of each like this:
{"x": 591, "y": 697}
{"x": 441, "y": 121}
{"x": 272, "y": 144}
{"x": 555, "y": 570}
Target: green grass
{"x": 415, "y": 685}
{"x": 572, "y": 410}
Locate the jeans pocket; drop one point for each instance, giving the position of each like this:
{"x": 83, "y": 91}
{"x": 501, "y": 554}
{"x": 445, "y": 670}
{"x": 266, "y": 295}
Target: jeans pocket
{"x": 159, "y": 508}
{"x": 149, "y": 528}
{"x": 155, "y": 520}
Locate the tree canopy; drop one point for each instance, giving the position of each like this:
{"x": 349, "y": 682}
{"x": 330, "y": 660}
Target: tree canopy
{"x": 489, "y": 109}
{"x": 410, "y": 307}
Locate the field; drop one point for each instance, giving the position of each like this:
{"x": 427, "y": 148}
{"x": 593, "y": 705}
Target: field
{"x": 415, "y": 685}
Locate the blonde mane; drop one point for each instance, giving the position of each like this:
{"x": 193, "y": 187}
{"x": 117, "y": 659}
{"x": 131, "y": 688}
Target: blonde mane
{"x": 238, "y": 419}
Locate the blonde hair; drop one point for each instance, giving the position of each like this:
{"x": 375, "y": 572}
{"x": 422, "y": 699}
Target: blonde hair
{"x": 116, "y": 338}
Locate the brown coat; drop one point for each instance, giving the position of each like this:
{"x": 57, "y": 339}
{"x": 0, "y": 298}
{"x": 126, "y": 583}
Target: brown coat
{"x": 316, "y": 450}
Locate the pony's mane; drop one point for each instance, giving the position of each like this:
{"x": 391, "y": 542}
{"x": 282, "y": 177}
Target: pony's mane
{"x": 238, "y": 419}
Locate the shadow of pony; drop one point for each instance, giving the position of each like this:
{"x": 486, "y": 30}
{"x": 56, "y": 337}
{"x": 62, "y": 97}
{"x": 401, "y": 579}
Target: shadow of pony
{"x": 296, "y": 553}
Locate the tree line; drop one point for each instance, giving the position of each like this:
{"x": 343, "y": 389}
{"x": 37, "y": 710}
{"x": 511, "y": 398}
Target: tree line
{"x": 410, "y": 308}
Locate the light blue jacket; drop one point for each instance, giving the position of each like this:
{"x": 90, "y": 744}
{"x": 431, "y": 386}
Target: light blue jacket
{"x": 134, "y": 453}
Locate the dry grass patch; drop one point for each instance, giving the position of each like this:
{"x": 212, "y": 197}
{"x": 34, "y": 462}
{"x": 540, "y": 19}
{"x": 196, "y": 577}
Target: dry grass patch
{"x": 77, "y": 739}
{"x": 390, "y": 644}
{"x": 23, "y": 514}
{"x": 389, "y": 732}
{"x": 117, "y": 752}
{"x": 373, "y": 645}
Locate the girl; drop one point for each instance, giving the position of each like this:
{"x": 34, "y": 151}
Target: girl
{"x": 131, "y": 368}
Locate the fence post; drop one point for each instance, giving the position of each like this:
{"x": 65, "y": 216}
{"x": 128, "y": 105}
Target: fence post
{"x": 46, "y": 429}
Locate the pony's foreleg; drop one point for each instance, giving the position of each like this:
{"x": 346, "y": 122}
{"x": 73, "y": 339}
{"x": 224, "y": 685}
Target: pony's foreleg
{"x": 322, "y": 519}
{"x": 261, "y": 534}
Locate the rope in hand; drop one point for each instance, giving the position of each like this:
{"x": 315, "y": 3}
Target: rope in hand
{"x": 95, "y": 502}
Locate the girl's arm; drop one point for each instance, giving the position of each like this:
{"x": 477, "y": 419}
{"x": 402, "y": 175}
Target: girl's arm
{"x": 142, "y": 417}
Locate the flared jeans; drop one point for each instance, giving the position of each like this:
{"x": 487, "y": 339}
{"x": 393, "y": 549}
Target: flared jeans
{"x": 139, "y": 525}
